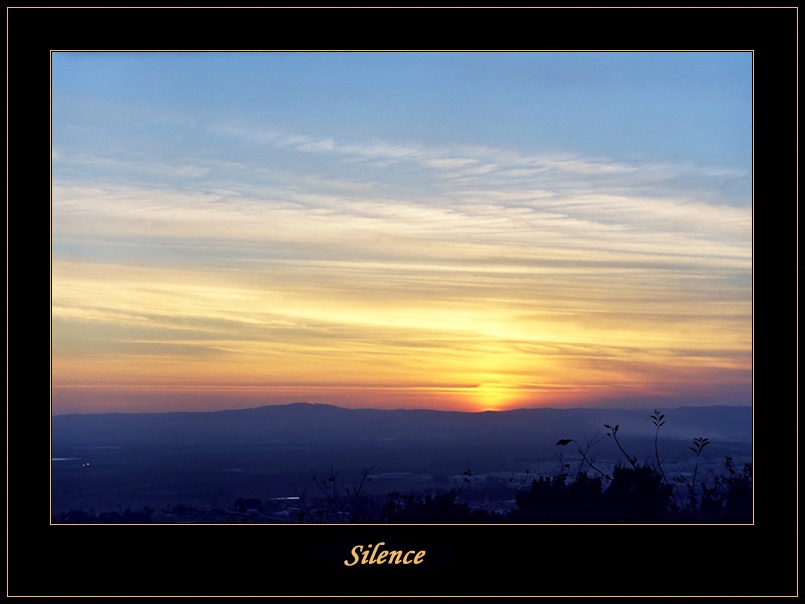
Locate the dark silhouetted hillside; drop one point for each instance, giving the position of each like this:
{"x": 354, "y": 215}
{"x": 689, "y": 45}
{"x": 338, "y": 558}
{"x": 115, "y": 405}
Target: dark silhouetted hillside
{"x": 316, "y": 423}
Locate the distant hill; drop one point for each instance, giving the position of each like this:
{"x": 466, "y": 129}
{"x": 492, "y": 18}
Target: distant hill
{"x": 306, "y": 423}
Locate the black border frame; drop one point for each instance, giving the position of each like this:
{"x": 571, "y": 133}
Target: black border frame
{"x": 270, "y": 560}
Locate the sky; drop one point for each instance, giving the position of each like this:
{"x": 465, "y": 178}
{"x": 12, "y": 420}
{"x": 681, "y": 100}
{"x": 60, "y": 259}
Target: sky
{"x": 457, "y": 231}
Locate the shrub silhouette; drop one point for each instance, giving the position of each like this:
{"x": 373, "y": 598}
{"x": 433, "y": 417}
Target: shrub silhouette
{"x": 637, "y": 495}
{"x": 634, "y": 495}
{"x": 559, "y": 500}
{"x": 342, "y": 503}
{"x": 729, "y": 498}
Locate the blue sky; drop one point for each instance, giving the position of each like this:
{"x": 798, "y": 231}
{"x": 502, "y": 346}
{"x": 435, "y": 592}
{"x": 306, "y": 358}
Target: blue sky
{"x": 633, "y": 106}
{"x": 456, "y": 230}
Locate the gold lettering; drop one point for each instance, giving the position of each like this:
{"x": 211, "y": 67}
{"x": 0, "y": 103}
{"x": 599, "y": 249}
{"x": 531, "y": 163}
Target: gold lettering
{"x": 376, "y": 555}
{"x": 374, "y": 551}
{"x": 355, "y": 549}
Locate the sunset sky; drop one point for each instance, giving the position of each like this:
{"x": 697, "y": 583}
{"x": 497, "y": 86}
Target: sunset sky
{"x": 460, "y": 231}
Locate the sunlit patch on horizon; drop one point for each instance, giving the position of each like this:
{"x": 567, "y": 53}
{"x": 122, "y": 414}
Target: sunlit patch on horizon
{"x": 493, "y": 396}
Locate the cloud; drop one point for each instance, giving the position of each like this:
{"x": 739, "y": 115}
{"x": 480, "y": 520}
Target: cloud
{"x": 191, "y": 171}
{"x": 315, "y": 146}
{"x": 541, "y": 272}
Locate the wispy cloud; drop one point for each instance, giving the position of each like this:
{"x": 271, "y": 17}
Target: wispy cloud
{"x": 388, "y": 263}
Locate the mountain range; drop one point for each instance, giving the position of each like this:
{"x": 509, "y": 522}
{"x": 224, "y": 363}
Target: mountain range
{"x": 308, "y": 423}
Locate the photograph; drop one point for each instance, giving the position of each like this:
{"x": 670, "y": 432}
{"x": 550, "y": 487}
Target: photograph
{"x": 416, "y": 287}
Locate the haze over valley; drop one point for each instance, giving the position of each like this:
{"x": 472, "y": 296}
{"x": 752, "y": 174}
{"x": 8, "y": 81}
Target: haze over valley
{"x": 110, "y": 462}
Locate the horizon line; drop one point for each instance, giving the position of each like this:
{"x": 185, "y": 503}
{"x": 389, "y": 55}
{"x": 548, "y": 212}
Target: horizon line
{"x": 322, "y": 404}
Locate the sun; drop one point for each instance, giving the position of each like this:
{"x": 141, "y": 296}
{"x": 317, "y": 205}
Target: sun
{"x": 493, "y": 396}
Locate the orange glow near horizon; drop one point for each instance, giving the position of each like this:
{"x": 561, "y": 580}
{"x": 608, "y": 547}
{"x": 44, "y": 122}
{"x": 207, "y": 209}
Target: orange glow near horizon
{"x": 262, "y": 244}
{"x": 142, "y": 335}
{"x": 456, "y": 305}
